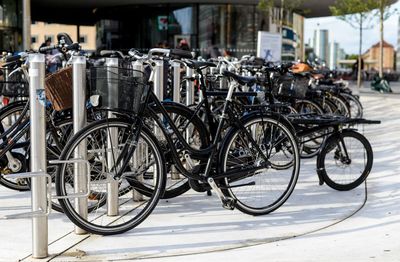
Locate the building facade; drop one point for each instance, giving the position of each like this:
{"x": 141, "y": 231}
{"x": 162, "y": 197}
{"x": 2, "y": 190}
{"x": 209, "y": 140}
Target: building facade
{"x": 210, "y": 29}
{"x": 371, "y": 57}
{"x": 40, "y": 31}
{"x": 10, "y": 25}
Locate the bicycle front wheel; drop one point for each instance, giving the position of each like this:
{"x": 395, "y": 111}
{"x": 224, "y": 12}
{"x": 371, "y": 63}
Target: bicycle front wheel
{"x": 345, "y": 161}
{"x": 268, "y": 187}
{"x": 105, "y": 141}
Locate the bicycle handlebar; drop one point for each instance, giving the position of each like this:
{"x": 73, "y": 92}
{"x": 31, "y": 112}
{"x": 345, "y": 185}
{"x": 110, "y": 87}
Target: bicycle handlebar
{"x": 62, "y": 48}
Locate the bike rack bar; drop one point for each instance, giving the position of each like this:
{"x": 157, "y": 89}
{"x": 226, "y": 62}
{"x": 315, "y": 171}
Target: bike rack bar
{"x": 137, "y": 65}
{"x": 223, "y": 83}
{"x": 112, "y": 138}
{"x": 189, "y": 94}
{"x": 40, "y": 212}
{"x": 158, "y": 86}
{"x": 38, "y": 156}
{"x": 79, "y": 122}
{"x": 176, "y": 69}
{"x": 82, "y": 193}
{"x": 189, "y": 86}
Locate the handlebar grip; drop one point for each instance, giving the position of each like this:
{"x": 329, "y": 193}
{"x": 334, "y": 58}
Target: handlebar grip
{"x": 74, "y": 46}
{"x": 47, "y": 48}
{"x": 13, "y": 58}
{"x": 106, "y": 52}
{"x": 178, "y": 53}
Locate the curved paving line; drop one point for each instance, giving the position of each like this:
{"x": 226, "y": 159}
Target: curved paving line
{"x": 239, "y": 245}
{"x": 252, "y": 242}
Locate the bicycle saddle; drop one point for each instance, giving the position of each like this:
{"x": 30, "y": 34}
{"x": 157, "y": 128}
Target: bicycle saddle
{"x": 199, "y": 64}
{"x": 242, "y": 80}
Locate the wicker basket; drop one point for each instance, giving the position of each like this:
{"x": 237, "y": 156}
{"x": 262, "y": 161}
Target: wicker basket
{"x": 59, "y": 89}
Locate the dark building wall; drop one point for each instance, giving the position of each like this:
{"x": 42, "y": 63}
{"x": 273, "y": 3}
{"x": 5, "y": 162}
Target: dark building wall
{"x": 10, "y": 25}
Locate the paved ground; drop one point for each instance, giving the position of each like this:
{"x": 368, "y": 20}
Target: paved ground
{"x": 360, "y": 225}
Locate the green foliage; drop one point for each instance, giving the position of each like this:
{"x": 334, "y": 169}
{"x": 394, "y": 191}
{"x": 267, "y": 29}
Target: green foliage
{"x": 385, "y": 9}
{"x": 352, "y": 57}
{"x": 357, "y": 13}
{"x": 290, "y": 5}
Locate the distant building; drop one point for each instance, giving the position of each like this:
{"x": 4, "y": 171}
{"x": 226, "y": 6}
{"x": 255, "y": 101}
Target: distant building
{"x": 398, "y": 48}
{"x": 371, "y": 57}
{"x": 41, "y": 31}
{"x": 333, "y": 55}
{"x": 321, "y": 44}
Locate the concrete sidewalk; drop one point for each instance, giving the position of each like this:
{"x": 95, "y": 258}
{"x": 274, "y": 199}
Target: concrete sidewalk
{"x": 327, "y": 225}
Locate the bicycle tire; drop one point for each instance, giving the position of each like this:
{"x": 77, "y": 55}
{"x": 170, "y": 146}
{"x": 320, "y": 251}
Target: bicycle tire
{"x": 179, "y": 111}
{"x": 331, "y": 144}
{"x": 276, "y": 127}
{"x": 88, "y": 224}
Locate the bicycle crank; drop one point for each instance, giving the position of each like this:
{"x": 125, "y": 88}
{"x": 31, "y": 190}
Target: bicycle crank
{"x": 227, "y": 202}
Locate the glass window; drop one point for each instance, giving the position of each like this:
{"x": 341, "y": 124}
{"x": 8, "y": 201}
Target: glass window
{"x": 51, "y": 37}
{"x": 83, "y": 39}
{"x": 230, "y": 27}
{"x": 34, "y": 39}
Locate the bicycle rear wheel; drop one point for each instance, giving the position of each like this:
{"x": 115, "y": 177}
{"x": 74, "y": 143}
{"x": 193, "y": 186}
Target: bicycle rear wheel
{"x": 264, "y": 190}
{"x": 146, "y": 167}
{"x": 8, "y": 116}
{"x": 345, "y": 161}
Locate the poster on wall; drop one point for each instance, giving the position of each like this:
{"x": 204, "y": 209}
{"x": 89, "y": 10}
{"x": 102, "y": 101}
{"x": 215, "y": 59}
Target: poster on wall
{"x": 269, "y": 46}
{"x": 162, "y": 22}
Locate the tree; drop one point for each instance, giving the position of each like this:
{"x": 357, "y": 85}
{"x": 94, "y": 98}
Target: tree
{"x": 356, "y": 13}
{"x": 384, "y": 12}
{"x": 290, "y": 5}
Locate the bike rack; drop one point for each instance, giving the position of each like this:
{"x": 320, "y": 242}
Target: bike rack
{"x": 40, "y": 212}
{"x": 112, "y": 137}
{"x": 138, "y": 66}
{"x": 79, "y": 122}
{"x": 176, "y": 70}
{"x": 41, "y": 189}
{"x": 81, "y": 193}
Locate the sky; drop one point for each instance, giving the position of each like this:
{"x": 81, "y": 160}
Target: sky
{"x": 348, "y": 37}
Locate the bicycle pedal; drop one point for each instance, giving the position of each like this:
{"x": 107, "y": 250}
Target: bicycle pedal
{"x": 229, "y": 203}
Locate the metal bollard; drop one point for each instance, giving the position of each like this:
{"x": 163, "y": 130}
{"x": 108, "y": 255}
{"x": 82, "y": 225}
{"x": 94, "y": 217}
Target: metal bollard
{"x": 189, "y": 96}
{"x": 159, "y": 87}
{"x": 79, "y": 122}
{"x": 112, "y": 137}
{"x": 189, "y": 87}
{"x": 176, "y": 70}
{"x": 138, "y": 66}
{"x": 38, "y": 156}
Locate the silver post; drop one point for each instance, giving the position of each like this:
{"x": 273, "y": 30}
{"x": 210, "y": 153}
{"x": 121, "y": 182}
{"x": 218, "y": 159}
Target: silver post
{"x": 223, "y": 84}
{"x": 26, "y": 20}
{"x": 38, "y": 156}
{"x": 138, "y": 154}
{"x": 112, "y": 137}
{"x": 176, "y": 69}
{"x": 159, "y": 87}
{"x": 189, "y": 96}
{"x": 189, "y": 87}
{"x": 79, "y": 122}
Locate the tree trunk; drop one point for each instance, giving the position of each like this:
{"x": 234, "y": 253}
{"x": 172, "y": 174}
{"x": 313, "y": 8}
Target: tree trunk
{"x": 360, "y": 54}
{"x": 281, "y": 16}
{"x": 382, "y": 10}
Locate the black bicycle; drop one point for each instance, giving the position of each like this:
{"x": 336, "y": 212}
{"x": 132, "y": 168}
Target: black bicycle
{"x": 244, "y": 167}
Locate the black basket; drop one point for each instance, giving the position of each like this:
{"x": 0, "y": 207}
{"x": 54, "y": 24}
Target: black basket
{"x": 291, "y": 85}
{"x": 15, "y": 86}
{"x": 119, "y": 89}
